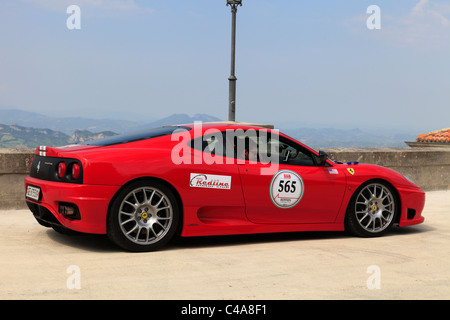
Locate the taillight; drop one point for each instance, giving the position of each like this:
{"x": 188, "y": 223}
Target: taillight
{"x": 76, "y": 171}
{"x": 61, "y": 169}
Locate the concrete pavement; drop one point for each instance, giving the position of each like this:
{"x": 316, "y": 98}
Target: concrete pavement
{"x": 408, "y": 263}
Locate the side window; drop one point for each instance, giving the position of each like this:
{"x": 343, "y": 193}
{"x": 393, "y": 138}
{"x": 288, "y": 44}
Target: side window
{"x": 246, "y": 147}
{"x": 241, "y": 145}
{"x": 293, "y": 154}
{"x": 265, "y": 146}
{"x": 211, "y": 143}
{"x": 254, "y": 146}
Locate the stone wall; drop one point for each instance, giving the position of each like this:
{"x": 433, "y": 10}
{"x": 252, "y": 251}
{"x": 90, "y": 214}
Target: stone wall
{"x": 427, "y": 167}
{"x": 14, "y": 166}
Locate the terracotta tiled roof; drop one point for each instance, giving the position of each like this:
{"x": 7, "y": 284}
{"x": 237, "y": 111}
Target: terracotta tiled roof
{"x": 439, "y": 136}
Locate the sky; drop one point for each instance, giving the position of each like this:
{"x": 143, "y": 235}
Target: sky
{"x": 299, "y": 63}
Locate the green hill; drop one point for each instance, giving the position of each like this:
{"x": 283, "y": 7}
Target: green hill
{"x": 14, "y": 136}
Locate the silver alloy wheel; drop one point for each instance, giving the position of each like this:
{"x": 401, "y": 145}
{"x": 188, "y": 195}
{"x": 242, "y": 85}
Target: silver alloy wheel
{"x": 375, "y": 207}
{"x": 145, "y": 215}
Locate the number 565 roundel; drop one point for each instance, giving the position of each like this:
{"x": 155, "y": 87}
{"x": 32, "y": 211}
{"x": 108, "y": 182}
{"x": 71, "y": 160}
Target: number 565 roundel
{"x": 143, "y": 188}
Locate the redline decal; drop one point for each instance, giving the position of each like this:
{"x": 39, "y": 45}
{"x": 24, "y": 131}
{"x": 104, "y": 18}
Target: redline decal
{"x": 210, "y": 181}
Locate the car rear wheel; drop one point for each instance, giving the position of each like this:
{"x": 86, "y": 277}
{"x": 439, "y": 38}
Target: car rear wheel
{"x": 372, "y": 209}
{"x": 143, "y": 217}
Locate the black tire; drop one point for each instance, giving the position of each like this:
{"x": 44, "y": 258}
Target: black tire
{"x": 372, "y": 209}
{"x": 144, "y": 216}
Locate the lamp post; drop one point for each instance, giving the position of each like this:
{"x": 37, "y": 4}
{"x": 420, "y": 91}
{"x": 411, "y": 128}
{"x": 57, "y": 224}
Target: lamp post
{"x": 232, "y": 79}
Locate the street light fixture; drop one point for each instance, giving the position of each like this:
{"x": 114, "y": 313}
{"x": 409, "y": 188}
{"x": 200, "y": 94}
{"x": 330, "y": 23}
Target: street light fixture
{"x": 232, "y": 79}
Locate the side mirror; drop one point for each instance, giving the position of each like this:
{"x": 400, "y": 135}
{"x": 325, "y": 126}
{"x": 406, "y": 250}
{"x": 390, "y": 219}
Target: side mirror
{"x": 322, "y": 158}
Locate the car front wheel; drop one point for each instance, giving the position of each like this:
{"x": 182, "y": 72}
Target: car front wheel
{"x": 372, "y": 210}
{"x": 143, "y": 217}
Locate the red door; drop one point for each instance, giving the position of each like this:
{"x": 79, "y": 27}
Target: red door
{"x": 297, "y": 191}
{"x": 294, "y": 194}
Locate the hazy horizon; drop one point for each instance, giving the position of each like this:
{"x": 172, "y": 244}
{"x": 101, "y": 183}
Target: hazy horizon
{"x": 280, "y": 125}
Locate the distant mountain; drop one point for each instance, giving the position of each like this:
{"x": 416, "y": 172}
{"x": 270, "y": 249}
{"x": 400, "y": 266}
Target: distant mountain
{"x": 70, "y": 124}
{"x": 66, "y": 125}
{"x": 179, "y": 118}
{"x": 21, "y": 128}
{"x": 14, "y": 136}
{"x": 80, "y": 136}
{"x": 18, "y": 131}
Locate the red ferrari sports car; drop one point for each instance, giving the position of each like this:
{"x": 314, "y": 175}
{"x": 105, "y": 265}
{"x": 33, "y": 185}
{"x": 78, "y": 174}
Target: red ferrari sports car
{"x": 212, "y": 179}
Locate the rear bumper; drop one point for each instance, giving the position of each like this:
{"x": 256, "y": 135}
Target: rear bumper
{"x": 92, "y": 202}
{"x": 413, "y": 202}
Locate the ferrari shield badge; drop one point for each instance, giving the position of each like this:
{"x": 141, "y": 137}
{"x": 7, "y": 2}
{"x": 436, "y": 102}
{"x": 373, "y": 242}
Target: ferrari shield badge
{"x": 351, "y": 171}
{"x": 286, "y": 189}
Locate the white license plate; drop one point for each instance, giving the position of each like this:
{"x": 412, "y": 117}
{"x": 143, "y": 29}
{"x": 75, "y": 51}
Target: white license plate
{"x": 33, "y": 193}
